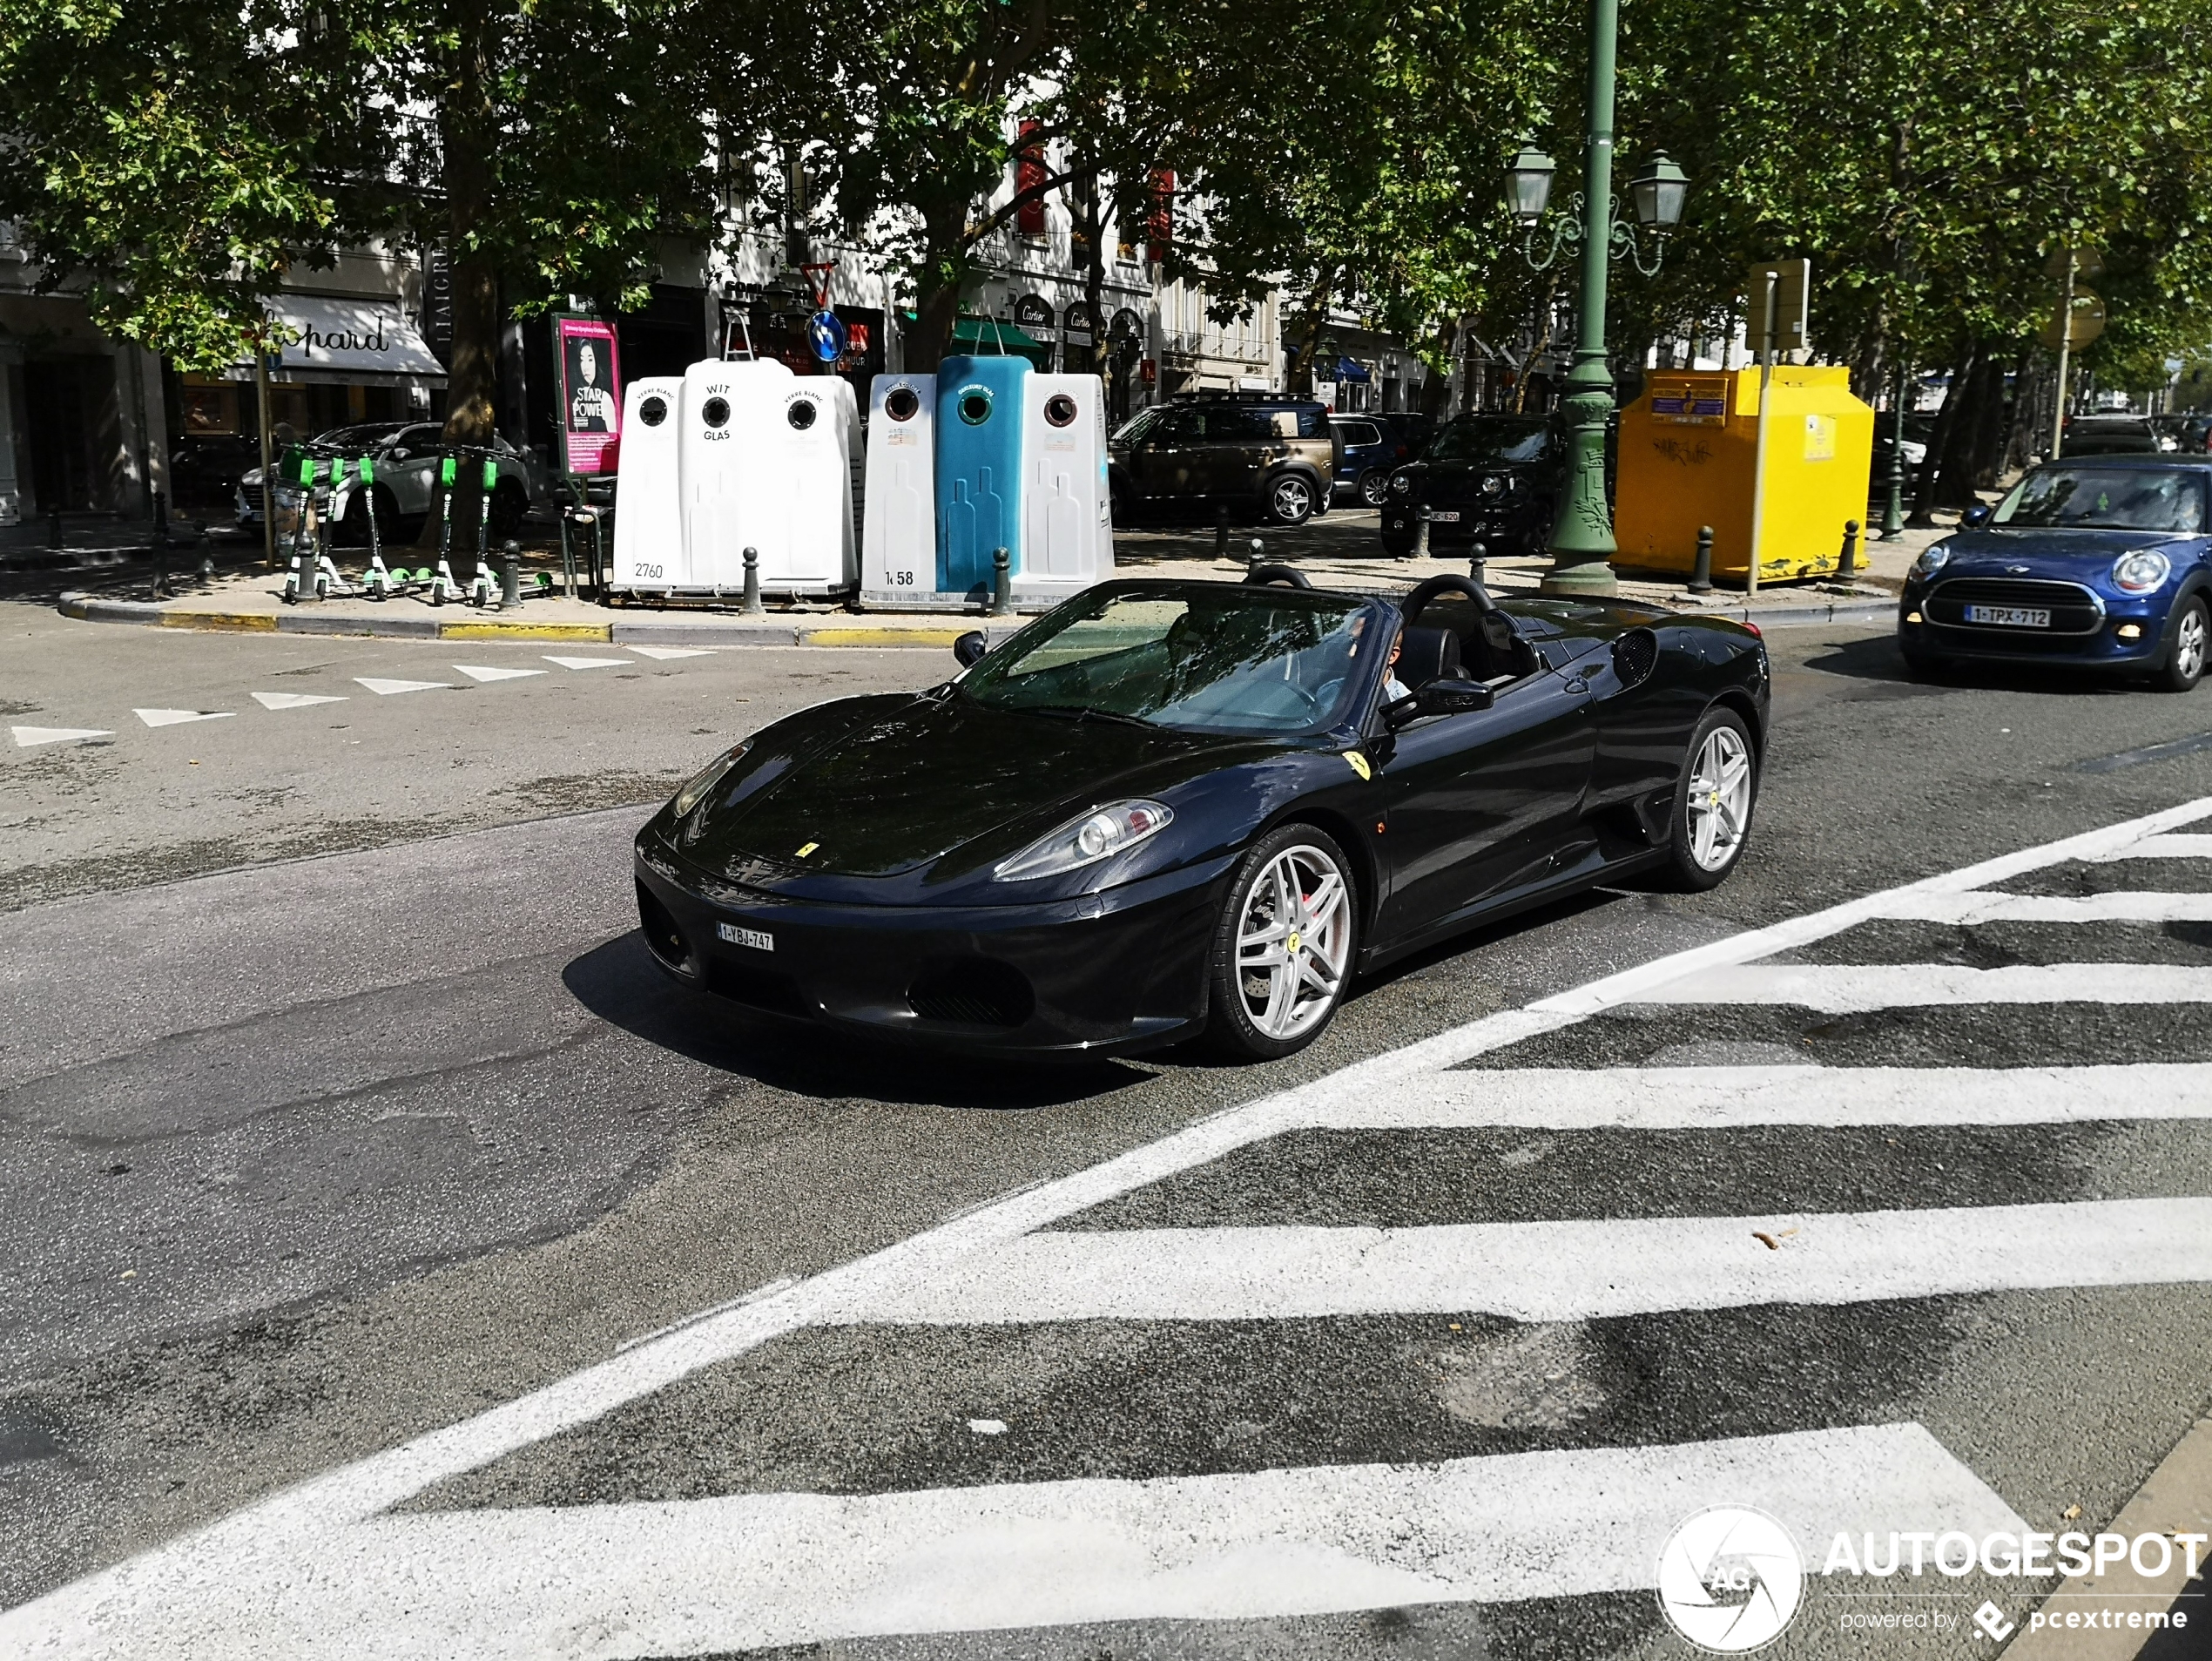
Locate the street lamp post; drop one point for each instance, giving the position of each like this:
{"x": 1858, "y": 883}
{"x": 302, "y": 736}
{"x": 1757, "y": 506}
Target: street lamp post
{"x": 1582, "y": 546}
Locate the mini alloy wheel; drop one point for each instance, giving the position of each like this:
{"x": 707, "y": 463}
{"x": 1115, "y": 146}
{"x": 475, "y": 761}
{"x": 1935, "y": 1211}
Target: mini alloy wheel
{"x": 1289, "y": 500}
{"x": 1282, "y": 952}
{"x": 2192, "y": 643}
{"x": 1713, "y": 804}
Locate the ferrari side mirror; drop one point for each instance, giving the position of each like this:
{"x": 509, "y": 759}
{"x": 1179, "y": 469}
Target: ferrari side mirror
{"x": 1975, "y": 517}
{"x": 970, "y": 647}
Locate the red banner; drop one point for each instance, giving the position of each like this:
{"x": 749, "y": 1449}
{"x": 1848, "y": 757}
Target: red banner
{"x": 1029, "y": 174}
{"x": 1159, "y": 223}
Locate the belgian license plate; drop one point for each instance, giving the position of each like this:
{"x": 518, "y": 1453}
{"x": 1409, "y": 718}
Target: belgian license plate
{"x": 759, "y": 939}
{"x": 2010, "y": 616}
{"x": 1444, "y": 518}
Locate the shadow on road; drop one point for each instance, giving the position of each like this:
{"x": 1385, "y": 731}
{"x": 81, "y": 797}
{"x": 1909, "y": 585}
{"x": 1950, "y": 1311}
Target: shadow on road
{"x": 1875, "y": 658}
{"x": 620, "y": 983}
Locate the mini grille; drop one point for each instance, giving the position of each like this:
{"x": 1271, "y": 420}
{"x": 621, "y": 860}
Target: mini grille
{"x": 2073, "y": 609}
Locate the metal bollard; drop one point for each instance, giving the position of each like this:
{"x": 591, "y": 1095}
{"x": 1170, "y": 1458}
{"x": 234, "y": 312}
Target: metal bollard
{"x": 1221, "y": 530}
{"x": 1848, "y": 566}
{"x": 1420, "y": 536}
{"x": 161, "y": 515}
{"x": 752, "y": 607}
{"x": 54, "y": 528}
{"x": 1001, "y": 583}
{"x": 1478, "y": 552}
{"x": 1257, "y": 557}
{"x": 1701, "y": 574}
{"x": 511, "y": 577}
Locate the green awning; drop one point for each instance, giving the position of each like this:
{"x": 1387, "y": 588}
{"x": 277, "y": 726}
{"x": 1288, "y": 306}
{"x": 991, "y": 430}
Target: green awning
{"x": 981, "y": 336}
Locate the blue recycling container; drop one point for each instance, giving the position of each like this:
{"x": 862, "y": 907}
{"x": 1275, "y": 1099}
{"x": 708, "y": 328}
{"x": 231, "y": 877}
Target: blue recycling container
{"x": 979, "y": 468}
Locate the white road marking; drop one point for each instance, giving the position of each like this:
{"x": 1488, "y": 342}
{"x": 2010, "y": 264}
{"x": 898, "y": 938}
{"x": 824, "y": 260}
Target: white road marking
{"x": 1848, "y": 989}
{"x": 672, "y": 652}
{"x": 384, "y": 688}
{"x": 295, "y": 700}
{"x": 1704, "y": 1098}
{"x": 179, "y": 717}
{"x": 761, "y": 1570}
{"x": 278, "y": 1565}
{"x": 1556, "y": 1271}
{"x": 2162, "y": 847}
{"x": 589, "y": 663}
{"x": 29, "y": 737}
{"x": 2122, "y": 905}
{"x": 987, "y": 1426}
{"x": 480, "y": 671}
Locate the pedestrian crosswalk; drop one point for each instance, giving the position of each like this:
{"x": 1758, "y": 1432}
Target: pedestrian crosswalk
{"x": 370, "y": 1557}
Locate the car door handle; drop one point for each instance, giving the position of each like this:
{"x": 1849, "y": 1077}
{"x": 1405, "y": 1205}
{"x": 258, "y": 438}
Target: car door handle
{"x": 1578, "y": 682}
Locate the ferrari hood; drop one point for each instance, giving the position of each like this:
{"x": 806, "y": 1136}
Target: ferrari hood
{"x": 924, "y": 777}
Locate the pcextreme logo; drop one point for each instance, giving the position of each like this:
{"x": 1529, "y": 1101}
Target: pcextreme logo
{"x": 1730, "y": 1579}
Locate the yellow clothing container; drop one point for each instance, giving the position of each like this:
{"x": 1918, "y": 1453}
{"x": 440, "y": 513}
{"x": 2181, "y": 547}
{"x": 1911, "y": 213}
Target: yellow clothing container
{"x": 1686, "y": 451}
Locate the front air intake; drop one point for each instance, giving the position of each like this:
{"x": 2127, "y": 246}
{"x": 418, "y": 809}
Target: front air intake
{"x": 972, "y": 992}
{"x": 662, "y": 933}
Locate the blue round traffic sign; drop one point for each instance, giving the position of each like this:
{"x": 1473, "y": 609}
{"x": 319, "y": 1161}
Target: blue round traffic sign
{"x": 826, "y": 330}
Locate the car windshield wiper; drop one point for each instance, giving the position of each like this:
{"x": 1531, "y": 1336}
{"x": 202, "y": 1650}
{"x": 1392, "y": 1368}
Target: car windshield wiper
{"x": 1084, "y": 713}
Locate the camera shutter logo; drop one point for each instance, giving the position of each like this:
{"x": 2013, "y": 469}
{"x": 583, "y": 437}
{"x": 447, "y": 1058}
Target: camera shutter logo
{"x": 1730, "y": 1579}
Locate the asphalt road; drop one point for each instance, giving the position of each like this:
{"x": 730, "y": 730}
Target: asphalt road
{"x": 340, "y": 1104}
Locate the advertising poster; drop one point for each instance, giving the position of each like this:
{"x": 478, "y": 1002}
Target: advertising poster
{"x": 591, "y": 394}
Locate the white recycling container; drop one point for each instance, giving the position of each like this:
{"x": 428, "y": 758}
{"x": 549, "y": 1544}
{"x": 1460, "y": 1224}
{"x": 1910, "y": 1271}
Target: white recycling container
{"x": 816, "y": 429}
{"x": 899, "y": 537}
{"x": 648, "y": 514}
{"x": 731, "y": 451}
{"x": 1067, "y": 508}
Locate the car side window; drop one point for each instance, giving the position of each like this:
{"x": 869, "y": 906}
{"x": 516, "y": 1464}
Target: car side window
{"x": 1229, "y": 424}
{"x": 1177, "y": 426}
{"x": 1357, "y": 433}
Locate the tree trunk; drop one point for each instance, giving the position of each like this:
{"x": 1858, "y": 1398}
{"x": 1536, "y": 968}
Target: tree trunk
{"x": 943, "y": 274}
{"x": 1954, "y": 397}
{"x": 468, "y": 132}
{"x": 1090, "y": 219}
{"x": 1436, "y": 391}
{"x": 1954, "y": 481}
{"x": 1995, "y": 424}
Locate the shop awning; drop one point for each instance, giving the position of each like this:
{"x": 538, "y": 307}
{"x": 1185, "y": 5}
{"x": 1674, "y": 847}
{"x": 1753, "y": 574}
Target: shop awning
{"x": 355, "y": 342}
{"x": 1352, "y": 369}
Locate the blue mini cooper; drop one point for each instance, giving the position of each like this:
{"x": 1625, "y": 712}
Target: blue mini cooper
{"x": 2096, "y": 563}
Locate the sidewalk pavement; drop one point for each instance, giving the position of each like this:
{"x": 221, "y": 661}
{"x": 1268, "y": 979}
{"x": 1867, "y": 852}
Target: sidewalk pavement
{"x": 1341, "y": 550}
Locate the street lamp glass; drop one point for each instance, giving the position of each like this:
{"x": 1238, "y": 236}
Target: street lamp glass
{"x": 1657, "y": 193}
{"x": 1528, "y": 184}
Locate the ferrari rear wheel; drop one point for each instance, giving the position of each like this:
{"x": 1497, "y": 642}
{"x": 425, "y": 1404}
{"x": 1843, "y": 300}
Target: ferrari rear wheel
{"x": 1713, "y": 803}
{"x": 1283, "y": 949}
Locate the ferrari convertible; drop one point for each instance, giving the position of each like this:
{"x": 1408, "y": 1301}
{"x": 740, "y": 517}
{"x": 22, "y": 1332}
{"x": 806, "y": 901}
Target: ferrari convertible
{"x": 1169, "y": 809}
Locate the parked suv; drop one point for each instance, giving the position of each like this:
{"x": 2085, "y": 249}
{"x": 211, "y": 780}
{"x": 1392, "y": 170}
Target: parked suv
{"x": 1369, "y": 447}
{"x": 1496, "y": 477}
{"x": 1270, "y": 455}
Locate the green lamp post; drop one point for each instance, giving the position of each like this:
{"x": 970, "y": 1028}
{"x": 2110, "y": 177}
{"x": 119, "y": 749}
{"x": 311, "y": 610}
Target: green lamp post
{"x": 1582, "y": 546}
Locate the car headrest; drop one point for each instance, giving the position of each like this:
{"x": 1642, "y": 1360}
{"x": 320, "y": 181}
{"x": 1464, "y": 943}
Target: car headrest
{"x": 1428, "y": 654}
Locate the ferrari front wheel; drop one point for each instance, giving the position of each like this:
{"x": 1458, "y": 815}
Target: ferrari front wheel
{"x": 1713, "y": 801}
{"x": 1283, "y": 949}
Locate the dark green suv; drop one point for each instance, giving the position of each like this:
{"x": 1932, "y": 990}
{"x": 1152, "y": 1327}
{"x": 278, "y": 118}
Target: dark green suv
{"x": 1274, "y": 456}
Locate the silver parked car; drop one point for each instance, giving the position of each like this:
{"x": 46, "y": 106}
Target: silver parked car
{"x": 404, "y": 458}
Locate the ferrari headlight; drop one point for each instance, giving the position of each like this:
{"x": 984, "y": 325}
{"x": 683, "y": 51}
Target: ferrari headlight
{"x": 1112, "y": 829}
{"x": 1400, "y": 483}
{"x": 707, "y": 777}
{"x": 2141, "y": 573}
{"x": 1932, "y": 559}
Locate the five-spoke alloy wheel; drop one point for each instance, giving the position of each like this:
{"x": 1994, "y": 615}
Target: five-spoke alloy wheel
{"x": 1283, "y": 950}
{"x": 1713, "y": 803}
{"x": 1291, "y": 499}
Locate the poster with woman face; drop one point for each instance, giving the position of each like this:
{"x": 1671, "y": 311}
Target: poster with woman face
{"x": 591, "y": 394}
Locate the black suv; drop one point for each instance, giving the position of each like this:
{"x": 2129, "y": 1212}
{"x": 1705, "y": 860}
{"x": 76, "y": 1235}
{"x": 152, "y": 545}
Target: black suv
{"x": 1268, "y": 455}
{"x": 1497, "y": 477}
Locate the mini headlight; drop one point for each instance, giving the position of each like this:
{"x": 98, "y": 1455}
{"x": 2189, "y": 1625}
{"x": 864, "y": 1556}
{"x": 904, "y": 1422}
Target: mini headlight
{"x": 1492, "y": 484}
{"x": 2141, "y": 573}
{"x": 1112, "y": 829}
{"x": 706, "y": 778}
{"x": 1401, "y": 483}
{"x": 1932, "y": 559}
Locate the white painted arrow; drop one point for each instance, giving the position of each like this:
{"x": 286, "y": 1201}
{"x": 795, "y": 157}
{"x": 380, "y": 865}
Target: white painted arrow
{"x": 295, "y": 700}
{"x": 29, "y": 737}
{"x": 480, "y": 671}
{"x": 385, "y": 688}
{"x": 589, "y": 663}
{"x": 672, "y": 652}
{"x": 179, "y": 717}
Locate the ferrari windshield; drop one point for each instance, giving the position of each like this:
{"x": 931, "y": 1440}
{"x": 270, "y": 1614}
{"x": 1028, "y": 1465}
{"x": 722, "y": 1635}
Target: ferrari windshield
{"x": 1217, "y": 659}
{"x": 2109, "y": 498}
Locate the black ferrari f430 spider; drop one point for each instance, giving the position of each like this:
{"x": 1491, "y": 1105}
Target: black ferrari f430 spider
{"x": 1165, "y": 810}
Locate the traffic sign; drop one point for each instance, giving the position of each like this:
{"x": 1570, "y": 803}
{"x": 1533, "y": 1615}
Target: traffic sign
{"x": 2085, "y": 323}
{"x": 826, "y": 333}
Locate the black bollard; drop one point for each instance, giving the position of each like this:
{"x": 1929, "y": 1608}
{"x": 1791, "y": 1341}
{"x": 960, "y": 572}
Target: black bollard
{"x": 752, "y": 606}
{"x": 510, "y": 576}
{"x": 1001, "y": 583}
{"x": 1221, "y": 530}
{"x": 1701, "y": 574}
{"x": 54, "y": 528}
{"x": 1420, "y": 536}
{"x": 1257, "y": 557}
{"x": 1849, "y": 563}
{"x": 1478, "y": 552}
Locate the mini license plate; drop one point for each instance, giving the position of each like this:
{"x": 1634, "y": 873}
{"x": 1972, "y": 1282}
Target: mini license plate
{"x": 2010, "y": 616}
{"x": 759, "y": 939}
{"x": 1444, "y": 518}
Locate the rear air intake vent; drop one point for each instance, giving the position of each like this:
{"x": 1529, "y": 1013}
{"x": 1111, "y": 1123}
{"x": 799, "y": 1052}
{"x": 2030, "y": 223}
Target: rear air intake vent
{"x": 1634, "y": 655}
{"x": 972, "y": 992}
